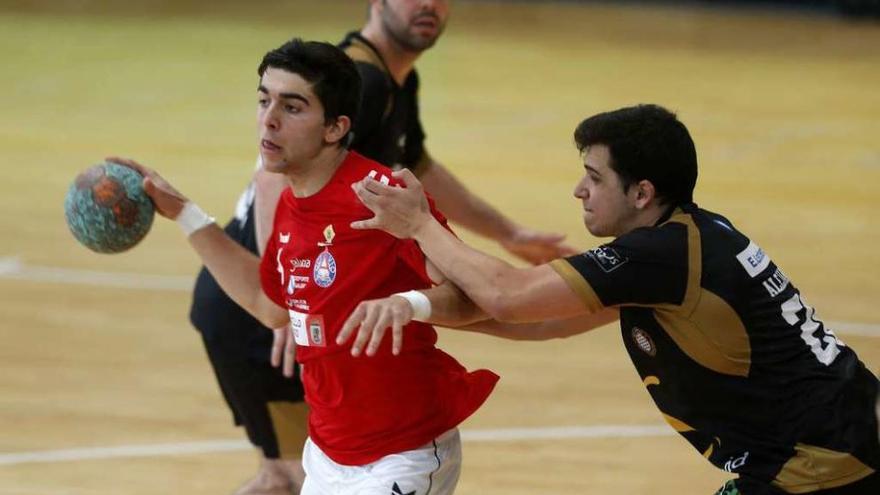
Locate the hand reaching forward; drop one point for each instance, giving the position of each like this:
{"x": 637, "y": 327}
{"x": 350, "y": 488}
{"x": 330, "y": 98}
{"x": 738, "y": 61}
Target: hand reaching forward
{"x": 372, "y": 319}
{"x": 400, "y": 211}
{"x": 168, "y": 201}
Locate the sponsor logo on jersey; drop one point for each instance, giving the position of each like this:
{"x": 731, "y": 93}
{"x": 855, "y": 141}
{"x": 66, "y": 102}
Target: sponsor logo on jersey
{"x": 735, "y": 463}
{"x": 325, "y": 269}
{"x": 291, "y": 284}
{"x": 308, "y": 330}
{"x": 300, "y": 304}
{"x": 753, "y": 259}
{"x": 644, "y": 341}
{"x": 607, "y": 258}
{"x": 299, "y": 281}
{"x": 300, "y": 263}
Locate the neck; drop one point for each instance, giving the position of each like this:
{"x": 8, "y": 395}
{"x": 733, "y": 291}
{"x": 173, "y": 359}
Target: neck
{"x": 308, "y": 179}
{"x": 399, "y": 61}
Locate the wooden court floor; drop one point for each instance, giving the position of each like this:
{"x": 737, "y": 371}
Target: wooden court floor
{"x": 104, "y": 388}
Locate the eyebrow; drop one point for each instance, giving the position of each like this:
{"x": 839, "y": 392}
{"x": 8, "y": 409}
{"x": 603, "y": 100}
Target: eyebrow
{"x": 287, "y": 96}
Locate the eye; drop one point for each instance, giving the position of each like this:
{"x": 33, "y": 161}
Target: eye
{"x": 291, "y": 109}
{"x": 263, "y": 102}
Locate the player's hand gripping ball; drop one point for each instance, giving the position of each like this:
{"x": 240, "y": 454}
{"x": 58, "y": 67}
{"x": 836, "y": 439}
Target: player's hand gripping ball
{"x": 106, "y": 208}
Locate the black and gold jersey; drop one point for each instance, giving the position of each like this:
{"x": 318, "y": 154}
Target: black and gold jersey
{"x": 387, "y": 129}
{"x": 735, "y": 359}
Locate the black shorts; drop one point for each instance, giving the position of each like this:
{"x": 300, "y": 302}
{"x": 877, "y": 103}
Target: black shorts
{"x": 267, "y": 404}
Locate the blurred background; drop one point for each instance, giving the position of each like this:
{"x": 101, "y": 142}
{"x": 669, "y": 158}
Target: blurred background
{"x": 104, "y": 386}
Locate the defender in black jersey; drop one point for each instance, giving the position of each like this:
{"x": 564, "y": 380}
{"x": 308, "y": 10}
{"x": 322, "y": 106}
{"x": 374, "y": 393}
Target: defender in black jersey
{"x": 388, "y": 130}
{"x": 732, "y": 354}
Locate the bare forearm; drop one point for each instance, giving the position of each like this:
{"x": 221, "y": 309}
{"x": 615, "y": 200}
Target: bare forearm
{"x": 545, "y": 330}
{"x": 479, "y": 275}
{"x": 451, "y": 307}
{"x": 237, "y": 270}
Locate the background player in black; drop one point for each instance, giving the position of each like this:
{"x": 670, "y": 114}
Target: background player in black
{"x": 389, "y": 131}
{"x": 727, "y": 347}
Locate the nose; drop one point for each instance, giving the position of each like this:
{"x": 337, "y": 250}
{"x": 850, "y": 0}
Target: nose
{"x": 268, "y": 118}
{"x": 580, "y": 189}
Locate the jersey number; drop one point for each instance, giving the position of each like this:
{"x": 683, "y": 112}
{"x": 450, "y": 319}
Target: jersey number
{"x": 827, "y": 346}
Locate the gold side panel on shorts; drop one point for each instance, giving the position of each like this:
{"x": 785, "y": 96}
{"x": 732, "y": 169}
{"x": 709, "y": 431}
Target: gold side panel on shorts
{"x": 713, "y": 336}
{"x": 815, "y": 468}
{"x": 290, "y": 420}
{"x": 577, "y": 283}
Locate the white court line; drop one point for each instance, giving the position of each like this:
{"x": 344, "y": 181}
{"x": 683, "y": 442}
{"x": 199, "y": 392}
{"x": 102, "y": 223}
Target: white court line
{"x": 13, "y": 268}
{"x": 189, "y": 448}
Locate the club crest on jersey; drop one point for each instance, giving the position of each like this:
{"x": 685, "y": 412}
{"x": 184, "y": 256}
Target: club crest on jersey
{"x": 607, "y": 258}
{"x": 644, "y": 341}
{"x": 324, "y": 271}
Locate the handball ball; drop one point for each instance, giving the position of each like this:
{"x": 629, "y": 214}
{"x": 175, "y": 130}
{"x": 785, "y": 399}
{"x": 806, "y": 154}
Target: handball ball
{"x": 107, "y": 209}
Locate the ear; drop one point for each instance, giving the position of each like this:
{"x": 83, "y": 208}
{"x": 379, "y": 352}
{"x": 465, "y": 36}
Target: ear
{"x": 335, "y": 131}
{"x": 644, "y": 194}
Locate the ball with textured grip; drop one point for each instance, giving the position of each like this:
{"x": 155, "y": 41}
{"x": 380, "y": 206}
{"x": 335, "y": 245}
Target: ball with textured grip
{"x": 107, "y": 209}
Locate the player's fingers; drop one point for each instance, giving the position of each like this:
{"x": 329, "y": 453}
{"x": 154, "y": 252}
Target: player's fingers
{"x": 352, "y": 322}
{"x": 408, "y": 178}
{"x": 396, "y": 336}
{"x": 131, "y": 164}
{"x": 363, "y": 332}
{"x": 289, "y": 356}
{"x": 378, "y": 332}
{"x": 370, "y": 223}
{"x": 278, "y": 337}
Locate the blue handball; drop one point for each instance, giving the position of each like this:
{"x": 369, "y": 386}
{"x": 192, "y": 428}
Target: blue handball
{"x": 107, "y": 209}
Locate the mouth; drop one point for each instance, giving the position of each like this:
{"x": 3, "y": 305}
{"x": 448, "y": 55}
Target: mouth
{"x": 427, "y": 21}
{"x": 269, "y": 146}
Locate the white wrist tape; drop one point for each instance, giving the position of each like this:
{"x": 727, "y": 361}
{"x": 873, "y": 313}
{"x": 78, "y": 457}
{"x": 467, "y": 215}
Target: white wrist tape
{"x": 192, "y": 218}
{"x": 420, "y": 303}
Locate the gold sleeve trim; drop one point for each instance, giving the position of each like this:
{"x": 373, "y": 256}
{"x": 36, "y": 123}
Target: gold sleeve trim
{"x": 578, "y": 284}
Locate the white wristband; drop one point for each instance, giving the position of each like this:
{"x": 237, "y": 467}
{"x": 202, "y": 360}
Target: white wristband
{"x": 192, "y": 218}
{"x": 420, "y": 303}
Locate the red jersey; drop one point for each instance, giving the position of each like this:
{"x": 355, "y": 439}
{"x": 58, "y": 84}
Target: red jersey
{"x": 319, "y": 268}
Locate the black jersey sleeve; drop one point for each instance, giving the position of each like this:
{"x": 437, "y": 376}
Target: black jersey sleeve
{"x": 645, "y": 267}
{"x": 375, "y": 101}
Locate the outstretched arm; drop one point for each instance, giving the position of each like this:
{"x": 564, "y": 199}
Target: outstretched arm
{"x": 506, "y": 293}
{"x": 445, "y": 305}
{"x": 545, "y": 330}
{"x": 465, "y": 208}
{"x": 236, "y": 269}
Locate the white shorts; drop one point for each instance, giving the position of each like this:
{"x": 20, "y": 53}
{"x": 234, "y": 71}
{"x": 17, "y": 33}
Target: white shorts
{"x": 432, "y": 469}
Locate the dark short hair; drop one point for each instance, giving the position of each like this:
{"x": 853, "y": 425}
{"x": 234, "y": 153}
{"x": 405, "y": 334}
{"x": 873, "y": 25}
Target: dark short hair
{"x": 647, "y": 142}
{"x": 332, "y": 74}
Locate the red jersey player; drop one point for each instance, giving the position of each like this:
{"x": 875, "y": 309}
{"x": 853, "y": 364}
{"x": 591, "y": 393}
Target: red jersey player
{"x": 377, "y": 426}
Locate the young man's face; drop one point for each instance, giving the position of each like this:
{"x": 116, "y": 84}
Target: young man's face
{"x": 290, "y": 121}
{"x": 414, "y": 24}
{"x": 608, "y": 210}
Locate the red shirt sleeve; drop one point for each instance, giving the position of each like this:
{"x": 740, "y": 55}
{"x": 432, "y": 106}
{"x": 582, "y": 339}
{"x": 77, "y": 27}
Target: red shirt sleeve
{"x": 270, "y": 275}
